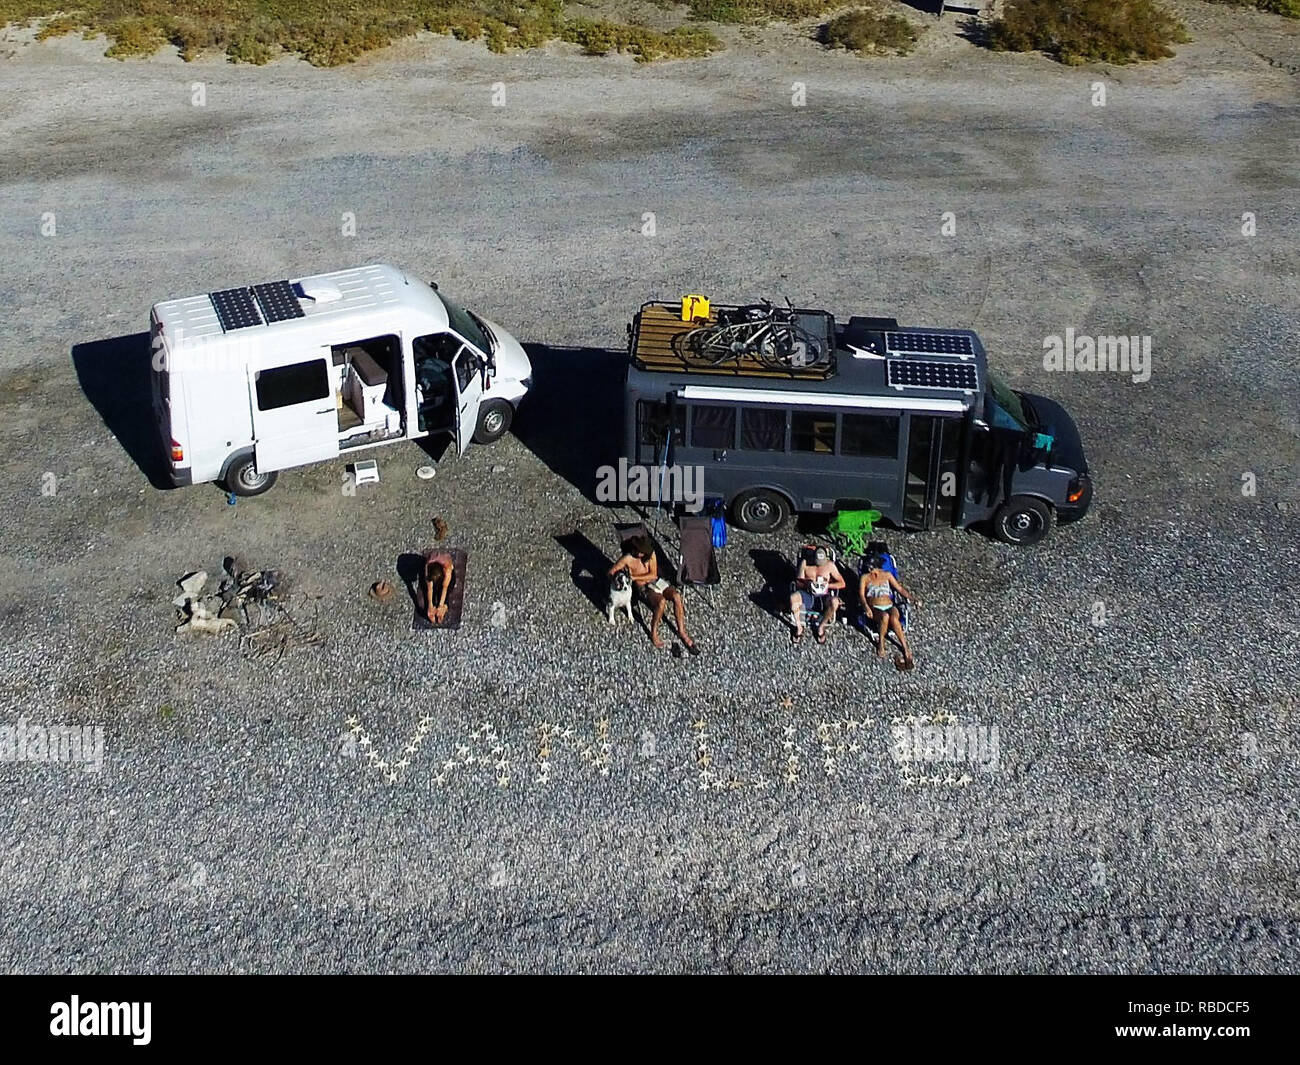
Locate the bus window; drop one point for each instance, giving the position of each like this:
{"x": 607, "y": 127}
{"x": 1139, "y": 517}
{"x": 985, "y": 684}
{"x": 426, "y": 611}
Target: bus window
{"x": 869, "y": 435}
{"x": 652, "y": 423}
{"x": 762, "y": 429}
{"x": 713, "y": 427}
{"x": 812, "y": 430}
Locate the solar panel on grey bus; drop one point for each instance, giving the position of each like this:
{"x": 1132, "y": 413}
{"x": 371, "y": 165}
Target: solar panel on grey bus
{"x": 278, "y": 301}
{"x": 235, "y": 309}
{"x": 924, "y": 373}
{"x": 929, "y": 343}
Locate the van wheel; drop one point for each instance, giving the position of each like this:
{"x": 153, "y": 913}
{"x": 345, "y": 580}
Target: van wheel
{"x": 760, "y": 511}
{"x": 1022, "y": 520}
{"x": 494, "y": 418}
{"x": 243, "y": 479}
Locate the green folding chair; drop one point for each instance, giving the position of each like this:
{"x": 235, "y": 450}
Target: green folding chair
{"x": 851, "y": 529}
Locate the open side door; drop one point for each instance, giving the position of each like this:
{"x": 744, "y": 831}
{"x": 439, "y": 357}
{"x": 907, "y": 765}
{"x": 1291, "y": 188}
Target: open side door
{"x": 932, "y": 493}
{"x": 295, "y": 420}
{"x": 467, "y": 371}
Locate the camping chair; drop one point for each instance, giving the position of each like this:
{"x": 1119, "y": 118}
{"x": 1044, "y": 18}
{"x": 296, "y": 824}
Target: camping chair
{"x": 864, "y": 619}
{"x": 699, "y": 562}
{"x": 629, "y": 531}
{"x": 850, "y": 530}
{"x": 812, "y": 616}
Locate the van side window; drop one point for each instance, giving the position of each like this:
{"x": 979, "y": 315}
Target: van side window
{"x": 431, "y": 346}
{"x": 300, "y": 382}
{"x": 466, "y": 368}
{"x": 713, "y": 427}
{"x": 812, "y": 430}
{"x": 869, "y": 434}
{"x": 762, "y": 429}
{"x": 652, "y": 423}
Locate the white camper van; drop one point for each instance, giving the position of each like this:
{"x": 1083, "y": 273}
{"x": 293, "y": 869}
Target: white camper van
{"x": 250, "y": 381}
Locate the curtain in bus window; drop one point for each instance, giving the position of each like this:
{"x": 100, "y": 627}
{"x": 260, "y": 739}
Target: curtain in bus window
{"x": 713, "y": 427}
{"x": 652, "y": 423}
{"x": 869, "y": 435}
{"x": 762, "y": 429}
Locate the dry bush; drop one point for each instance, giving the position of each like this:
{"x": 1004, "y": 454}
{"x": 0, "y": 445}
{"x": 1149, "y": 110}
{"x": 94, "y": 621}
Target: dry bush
{"x": 1079, "y": 31}
{"x": 869, "y": 32}
{"x": 332, "y": 32}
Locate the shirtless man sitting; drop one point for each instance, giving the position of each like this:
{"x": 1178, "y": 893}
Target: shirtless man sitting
{"x": 819, "y": 580}
{"x": 643, "y": 567}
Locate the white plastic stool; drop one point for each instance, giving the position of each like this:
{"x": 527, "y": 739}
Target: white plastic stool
{"x": 366, "y": 471}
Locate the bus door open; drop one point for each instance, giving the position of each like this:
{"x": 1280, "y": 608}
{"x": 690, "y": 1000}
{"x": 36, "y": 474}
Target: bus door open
{"x": 934, "y": 484}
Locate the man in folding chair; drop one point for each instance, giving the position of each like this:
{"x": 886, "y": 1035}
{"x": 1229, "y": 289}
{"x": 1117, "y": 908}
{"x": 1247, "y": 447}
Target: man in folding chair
{"x": 640, "y": 560}
{"x": 816, "y": 583}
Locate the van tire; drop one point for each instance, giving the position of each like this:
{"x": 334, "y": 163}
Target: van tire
{"x": 494, "y": 418}
{"x": 760, "y": 511}
{"x": 1022, "y": 520}
{"x": 243, "y": 479}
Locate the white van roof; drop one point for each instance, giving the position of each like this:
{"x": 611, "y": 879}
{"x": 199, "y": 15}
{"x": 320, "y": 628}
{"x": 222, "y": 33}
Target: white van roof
{"x": 295, "y": 303}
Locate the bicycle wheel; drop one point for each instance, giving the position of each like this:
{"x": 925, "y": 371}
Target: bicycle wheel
{"x": 792, "y": 348}
{"x": 709, "y": 345}
{"x": 776, "y": 346}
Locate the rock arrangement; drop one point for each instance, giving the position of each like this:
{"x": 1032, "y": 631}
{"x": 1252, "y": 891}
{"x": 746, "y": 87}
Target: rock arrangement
{"x": 250, "y": 602}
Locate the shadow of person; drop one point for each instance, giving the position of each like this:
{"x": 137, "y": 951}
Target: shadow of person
{"x": 410, "y": 568}
{"x": 115, "y": 376}
{"x": 778, "y": 572}
{"x": 590, "y": 565}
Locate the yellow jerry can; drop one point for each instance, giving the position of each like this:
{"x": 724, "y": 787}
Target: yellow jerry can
{"x": 694, "y": 307}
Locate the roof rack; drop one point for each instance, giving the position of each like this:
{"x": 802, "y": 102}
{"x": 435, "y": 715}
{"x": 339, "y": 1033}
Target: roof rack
{"x": 659, "y": 324}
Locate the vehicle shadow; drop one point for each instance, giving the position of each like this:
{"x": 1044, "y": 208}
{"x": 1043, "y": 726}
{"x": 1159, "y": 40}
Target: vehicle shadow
{"x": 572, "y": 418}
{"x": 114, "y": 375}
{"x": 435, "y": 445}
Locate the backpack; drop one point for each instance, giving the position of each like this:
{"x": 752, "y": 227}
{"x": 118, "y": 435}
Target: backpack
{"x": 714, "y": 508}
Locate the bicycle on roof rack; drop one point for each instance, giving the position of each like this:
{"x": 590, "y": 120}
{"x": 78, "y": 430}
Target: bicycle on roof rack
{"x": 761, "y": 331}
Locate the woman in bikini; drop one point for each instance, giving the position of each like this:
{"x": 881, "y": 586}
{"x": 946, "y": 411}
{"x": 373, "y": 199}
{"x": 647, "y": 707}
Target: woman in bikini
{"x": 877, "y": 589}
{"x": 643, "y": 567}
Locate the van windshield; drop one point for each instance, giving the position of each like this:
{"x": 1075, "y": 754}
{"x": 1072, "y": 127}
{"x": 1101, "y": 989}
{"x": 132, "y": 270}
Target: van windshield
{"x": 464, "y": 323}
{"x": 1009, "y": 402}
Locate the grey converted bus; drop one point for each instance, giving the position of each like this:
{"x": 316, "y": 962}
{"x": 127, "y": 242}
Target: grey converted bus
{"x": 910, "y": 422}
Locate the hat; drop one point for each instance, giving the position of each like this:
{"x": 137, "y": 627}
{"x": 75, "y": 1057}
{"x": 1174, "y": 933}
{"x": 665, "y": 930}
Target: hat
{"x": 820, "y": 556}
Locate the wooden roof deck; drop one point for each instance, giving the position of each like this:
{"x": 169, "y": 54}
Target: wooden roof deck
{"x": 658, "y": 324}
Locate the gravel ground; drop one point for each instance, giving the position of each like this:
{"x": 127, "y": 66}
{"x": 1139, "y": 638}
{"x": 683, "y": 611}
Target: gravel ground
{"x": 1141, "y": 815}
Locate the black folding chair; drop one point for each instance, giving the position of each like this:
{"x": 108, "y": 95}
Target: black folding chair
{"x": 699, "y": 562}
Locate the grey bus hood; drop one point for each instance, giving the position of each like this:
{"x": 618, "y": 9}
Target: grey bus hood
{"x": 1067, "y": 446}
